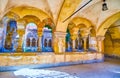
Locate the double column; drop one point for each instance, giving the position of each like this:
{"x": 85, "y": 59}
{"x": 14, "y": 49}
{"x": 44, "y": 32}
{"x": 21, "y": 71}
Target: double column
{"x": 85, "y": 33}
{"x": 59, "y": 42}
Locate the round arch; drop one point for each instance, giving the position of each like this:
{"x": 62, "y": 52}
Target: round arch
{"x": 31, "y": 18}
{"x": 92, "y": 31}
{"x": 10, "y": 16}
{"x": 22, "y": 11}
{"x": 107, "y": 23}
{"x": 49, "y": 21}
{"x": 80, "y": 20}
{"x": 31, "y": 25}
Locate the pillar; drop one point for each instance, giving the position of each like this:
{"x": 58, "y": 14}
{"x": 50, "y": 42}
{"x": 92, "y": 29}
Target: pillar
{"x": 36, "y": 43}
{"x": 85, "y": 33}
{"x": 73, "y": 45}
{"x": 68, "y": 43}
{"x": 59, "y": 42}
{"x": 39, "y": 44}
{"x": 80, "y": 43}
{"x": 19, "y": 49}
{"x": 47, "y": 42}
{"x": 30, "y": 42}
{"x": 100, "y": 43}
{"x": 85, "y": 43}
{"x": 73, "y": 37}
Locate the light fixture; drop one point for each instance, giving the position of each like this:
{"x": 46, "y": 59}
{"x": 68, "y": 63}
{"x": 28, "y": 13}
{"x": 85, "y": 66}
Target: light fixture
{"x": 104, "y": 6}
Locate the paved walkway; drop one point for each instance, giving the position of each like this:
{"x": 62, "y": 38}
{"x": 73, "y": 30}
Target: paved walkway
{"x": 108, "y": 69}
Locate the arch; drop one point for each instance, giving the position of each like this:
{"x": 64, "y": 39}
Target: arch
{"x": 31, "y": 26}
{"x": 71, "y": 25}
{"x": 46, "y": 36}
{"x": 10, "y": 35}
{"x": 81, "y": 26}
{"x": 31, "y": 18}
{"x": 12, "y": 15}
{"x": 49, "y": 21}
{"x": 80, "y": 20}
{"x": 27, "y": 10}
{"x": 93, "y": 32}
{"x": 31, "y": 38}
{"x": 79, "y": 23}
{"x": 107, "y": 23}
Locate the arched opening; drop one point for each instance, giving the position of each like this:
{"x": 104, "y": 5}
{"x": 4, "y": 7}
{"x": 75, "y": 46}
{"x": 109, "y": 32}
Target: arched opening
{"x": 76, "y": 44}
{"x": 112, "y": 40}
{"x": 109, "y": 29}
{"x": 10, "y": 36}
{"x": 31, "y": 38}
{"x": 47, "y": 39}
{"x": 79, "y": 42}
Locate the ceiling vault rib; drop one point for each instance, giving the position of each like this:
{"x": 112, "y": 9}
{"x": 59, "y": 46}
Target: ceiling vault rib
{"x": 60, "y": 10}
{"x": 112, "y": 27}
{"x": 77, "y": 11}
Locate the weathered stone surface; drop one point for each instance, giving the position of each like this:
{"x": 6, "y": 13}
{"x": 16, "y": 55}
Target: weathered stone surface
{"x": 46, "y": 58}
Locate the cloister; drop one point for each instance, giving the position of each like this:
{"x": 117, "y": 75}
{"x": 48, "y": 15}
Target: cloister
{"x": 55, "y": 33}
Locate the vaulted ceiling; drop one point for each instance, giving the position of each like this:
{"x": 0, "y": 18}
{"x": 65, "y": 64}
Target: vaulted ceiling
{"x": 59, "y": 10}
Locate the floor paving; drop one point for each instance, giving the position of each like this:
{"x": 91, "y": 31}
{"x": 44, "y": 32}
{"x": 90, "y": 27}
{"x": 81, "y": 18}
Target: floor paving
{"x": 110, "y": 68}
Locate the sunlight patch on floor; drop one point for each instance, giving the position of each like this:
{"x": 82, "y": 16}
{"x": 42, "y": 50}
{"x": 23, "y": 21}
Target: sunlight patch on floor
{"x": 40, "y": 73}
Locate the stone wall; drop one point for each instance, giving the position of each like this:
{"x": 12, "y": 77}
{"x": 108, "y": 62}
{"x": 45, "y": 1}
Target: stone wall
{"x": 17, "y": 59}
{"x": 112, "y": 47}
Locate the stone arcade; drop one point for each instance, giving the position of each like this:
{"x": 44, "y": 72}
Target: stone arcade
{"x": 34, "y": 32}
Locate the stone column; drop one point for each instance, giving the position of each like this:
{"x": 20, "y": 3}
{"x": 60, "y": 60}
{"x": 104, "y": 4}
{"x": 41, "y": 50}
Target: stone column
{"x": 73, "y": 37}
{"x": 80, "y": 43}
{"x": 47, "y": 42}
{"x": 39, "y": 44}
{"x": 36, "y": 43}
{"x": 73, "y": 45}
{"x": 68, "y": 43}
{"x": 59, "y": 42}
{"x": 100, "y": 43}
{"x": 30, "y": 42}
{"x": 19, "y": 49}
{"x": 20, "y": 41}
{"x": 85, "y": 43}
{"x": 84, "y": 33}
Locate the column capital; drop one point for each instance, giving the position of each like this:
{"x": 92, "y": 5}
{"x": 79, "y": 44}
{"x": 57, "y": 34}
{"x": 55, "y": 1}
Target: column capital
{"x": 84, "y": 37}
{"x": 85, "y": 31}
{"x": 59, "y": 42}
{"x": 100, "y": 38}
{"x": 60, "y": 34}
{"x": 73, "y": 37}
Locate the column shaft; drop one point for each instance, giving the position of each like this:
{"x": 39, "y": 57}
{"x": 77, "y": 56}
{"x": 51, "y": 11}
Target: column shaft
{"x": 85, "y": 43}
